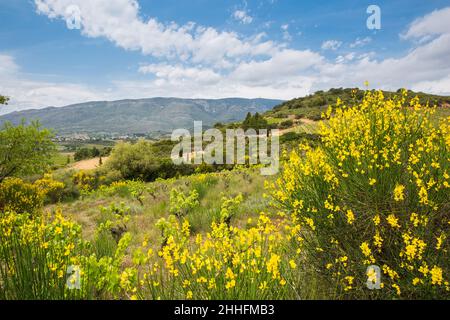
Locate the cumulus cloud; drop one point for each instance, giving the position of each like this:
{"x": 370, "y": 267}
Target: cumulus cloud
{"x": 360, "y": 42}
{"x": 242, "y": 16}
{"x": 181, "y": 73}
{"x": 331, "y": 45}
{"x": 434, "y": 23}
{"x": 120, "y": 22}
{"x": 281, "y": 66}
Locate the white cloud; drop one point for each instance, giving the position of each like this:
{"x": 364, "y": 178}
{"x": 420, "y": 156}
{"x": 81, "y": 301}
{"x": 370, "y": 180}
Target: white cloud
{"x": 242, "y": 16}
{"x": 439, "y": 86}
{"x": 434, "y": 23}
{"x": 360, "y": 42}
{"x": 180, "y": 73}
{"x": 331, "y": 45}
{"x": 281, "y": 66}
{"x": 26, "y": 93}
{"x": 345, "y": 58}
{"x": 7, "y": 65}
{"x": 120, "y": 22}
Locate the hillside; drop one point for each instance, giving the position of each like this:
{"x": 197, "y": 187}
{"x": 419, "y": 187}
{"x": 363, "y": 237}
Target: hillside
{"x": 140, "y": 116}
{"x": 313, "y": 105}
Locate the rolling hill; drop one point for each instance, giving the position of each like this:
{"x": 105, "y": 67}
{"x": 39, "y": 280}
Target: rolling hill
{"x": 312, "y": 106}
{"x": 141, "y": 116}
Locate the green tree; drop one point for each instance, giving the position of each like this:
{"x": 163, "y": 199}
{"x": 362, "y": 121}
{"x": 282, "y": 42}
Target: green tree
{"x": 25, "y": 149}
{"x": 247, "y": 122}
{"x": 3, "y": 99}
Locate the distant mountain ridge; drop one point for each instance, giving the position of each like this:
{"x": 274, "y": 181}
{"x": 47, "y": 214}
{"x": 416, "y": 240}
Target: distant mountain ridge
{"x": 140, "y": 116}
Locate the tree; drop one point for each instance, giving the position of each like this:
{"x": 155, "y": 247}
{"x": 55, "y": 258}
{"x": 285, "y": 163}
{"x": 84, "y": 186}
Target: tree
{"x": 254, "y": 122}
{"x": 25, "y": 149}
{"x": 247, "y": 122}
{"x": 3, "y": 99}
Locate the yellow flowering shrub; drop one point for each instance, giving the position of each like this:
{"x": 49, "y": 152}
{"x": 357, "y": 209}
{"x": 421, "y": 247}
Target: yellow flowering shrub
{"x": 44, "y": 257}
{"x": 85, "y": 181}
{"x": 225, "y": 263}
{"x": 376, "y": 191}
{"x": 50, "y": 187}
{"x": 35, "y": 255}
{"x": 20, "y": 196}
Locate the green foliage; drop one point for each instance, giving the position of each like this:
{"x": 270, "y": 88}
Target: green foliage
{"x": 168, "y": 228}
{"x": 181, "y": 203}
{"x": 24, "y": 150}
{"x": 94, "y": 152}
{"x": 203, "y": 183}
{"x": 286, "y": 124}
{"x": 3, "y": 99}
{"x": 115, "y": 219}
{"x": 254, "y": 122}
{"x": 70, "y": 191}
{"x": 40, "y": 259}
{"x": 34, "y": 256}
{"x": 86, "y": 181}
{"x": 138, "y": 189}
{"x": 313, "y": 105}
{"x": 145, "y": 161}
{"x": 229, "y": 208}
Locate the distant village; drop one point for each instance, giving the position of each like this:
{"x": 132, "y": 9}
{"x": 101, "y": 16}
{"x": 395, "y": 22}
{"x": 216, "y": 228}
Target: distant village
{"x": 83, "y": 137}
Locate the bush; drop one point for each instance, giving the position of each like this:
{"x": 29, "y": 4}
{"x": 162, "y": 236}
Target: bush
{"x": 286, "y": 124}
{"x": 41, "y": 256}
{"x": 181, "y": 203}
{"x": 34, "y": 256}
{"x": 22, "y": 197}
{"x": 86, "y": 181}
{"x": 19, "y": 196}
{"x": 70, "y": 190}
{"x": 25, "y": 149}
{"x": 88, "y": 153}
{"x": 52, "y": 188}
{"x": 227, "y": 263}
{"x": 375, "y": 192}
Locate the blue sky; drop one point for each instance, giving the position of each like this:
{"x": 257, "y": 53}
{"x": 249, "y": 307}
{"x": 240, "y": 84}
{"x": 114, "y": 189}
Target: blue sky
{"x": 212, "y": 49}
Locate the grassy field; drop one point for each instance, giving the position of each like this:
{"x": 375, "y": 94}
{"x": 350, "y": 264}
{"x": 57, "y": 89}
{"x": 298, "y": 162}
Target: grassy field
{"x": 210, "y": 187}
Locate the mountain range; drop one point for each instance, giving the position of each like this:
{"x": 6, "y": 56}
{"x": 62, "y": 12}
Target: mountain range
{"x": 140, "y": 116}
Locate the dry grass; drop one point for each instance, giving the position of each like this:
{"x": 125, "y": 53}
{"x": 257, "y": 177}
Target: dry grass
{"x": 89, "y": 164}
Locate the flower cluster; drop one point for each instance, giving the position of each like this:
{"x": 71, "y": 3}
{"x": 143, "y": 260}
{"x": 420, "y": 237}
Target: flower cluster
{"x": 226, "y": 263}
{"x": 375, "y": 192}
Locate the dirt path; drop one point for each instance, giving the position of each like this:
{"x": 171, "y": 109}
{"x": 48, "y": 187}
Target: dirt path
{"x": 88, "y": 164}
{"x": 307, "y": 121}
